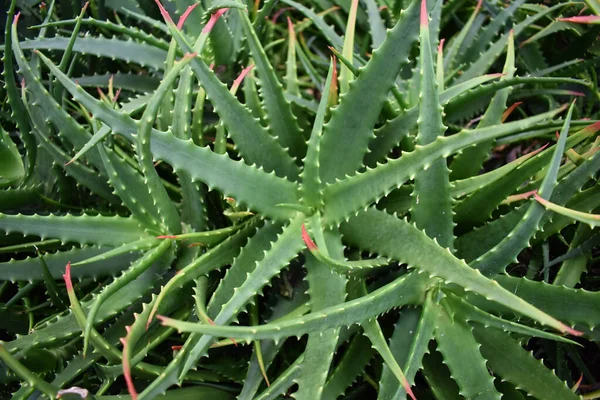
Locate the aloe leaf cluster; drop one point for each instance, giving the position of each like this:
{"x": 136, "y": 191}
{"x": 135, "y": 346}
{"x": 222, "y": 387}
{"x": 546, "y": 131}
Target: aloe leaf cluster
{"x": 313, "y": 200}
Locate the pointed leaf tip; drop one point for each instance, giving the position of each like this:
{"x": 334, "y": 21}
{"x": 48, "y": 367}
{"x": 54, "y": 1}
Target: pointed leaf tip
{"x": 578, "y": 383}
{"x": 510, "y": 110}
{"x": 185, "y": 15}
{"x": 441, "y": 45}
{"x": 306, "y": 237}
{"x": 67, "y": 277}
{"x": 571, "y": 331}
{"x": 16, "y": 18}
{"x": 582, "y": 19}
{"x": 240, "y": 78}
{"x": 213, "y": 20}
{"x": 532, "y": 153}
{"x": 424, "y": 15}
{"x": 478, "y": 7}
{"x": 127, "y": 373}
{"x": 164, "y": 12}
{"x": 408, "y": 389}
{"x": 593, "y": 127}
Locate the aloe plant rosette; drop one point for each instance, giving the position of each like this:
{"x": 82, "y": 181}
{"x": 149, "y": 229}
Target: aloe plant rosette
{"x": 373, "y": 201}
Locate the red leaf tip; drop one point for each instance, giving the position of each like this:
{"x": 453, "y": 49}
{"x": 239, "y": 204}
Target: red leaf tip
{"x": 67, "y": 277}
{"x": 441, "y": 45}
{"x": 164, "y": 12}
{"x": 185, "y": 15}
{"x": 16, "y": 18}
{"x": 572, "y": 331}
{"x": 306, "y": 237}
{"x": 240, "y": 78}
{"x": 478, "y": 7}
{"x": 424, "y": 15}
{"x": 582, "y": 19}
{"x": 510, "y": 109}
{"x": 213, "y": 20}
{"x": 162, "y": 318}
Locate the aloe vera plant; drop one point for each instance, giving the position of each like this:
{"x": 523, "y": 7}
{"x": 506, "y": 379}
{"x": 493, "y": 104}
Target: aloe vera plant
{"x": 332, "y": 228}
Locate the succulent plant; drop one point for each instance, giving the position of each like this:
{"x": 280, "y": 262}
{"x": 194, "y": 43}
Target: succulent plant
{"x": 361, "y": 233}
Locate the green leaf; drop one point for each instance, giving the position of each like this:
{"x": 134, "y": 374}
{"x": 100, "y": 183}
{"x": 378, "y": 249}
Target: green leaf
{"x": 61, "y": 328}
{"x": 469, "y": 312}
{"x": 130, "y": 186}
{"x": 485, "y": 60}
{"x": 479, "y": 206}
{"x": 470, "y": 161}
{"x": 213, "y": 259}
{"x": 311, "y": 181}
{"x": 281, "y": 252}
{"x": 407, "y": 289}
{"x": 12, "y": 93}
{"x": 138, "y": 268}
{"x": 31, "y": 269}
{"x": 477, "y": 242}
{"x": 125, "y": 81}
{"x": 169, "y": 215}
{"x": 353, "y": 268}
{"x": 326, "y": 289}
{"x": 392, "y": 237}
{"x": 431, "y": 209}
{"x": 378, "y": 28}
{"x": 354, "y": 361}
{"x": 439, "y": 378}
{"x": 12, "y": 171}
{"x": 96, "y": 183}
{"x": 513, "y": 363}
{"x": 450, "y": 56}
{"x": 28, "y": 376}
{"x": 199, "y": 162}
{"x": 291, "y": 72}
{"x": 593, "y": 220}
{"x": 490, "y": 31}
{"x": 326, "y": 30}
{"x": 129, "y": 31}
{"x": 348, "y": 50}
{"x": 409, "y": 343}
{"x": 85, "y": 229}
{"x": 348, "y": 132}
{"x": 373, "y": 331}
{"x": 282, "y": 122}
{"x": 457, "y": 344}
{"x": 575, "y": 306}
{"x": 392, "y": 132}
{"x": 252, "y": 140}
{"x": 233, "y": 178}
{"x": 356, "y": 192}
{"x": 51, "y": 287}
{"x": 497, "y": 258}
{"x": 126, "y": 50}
